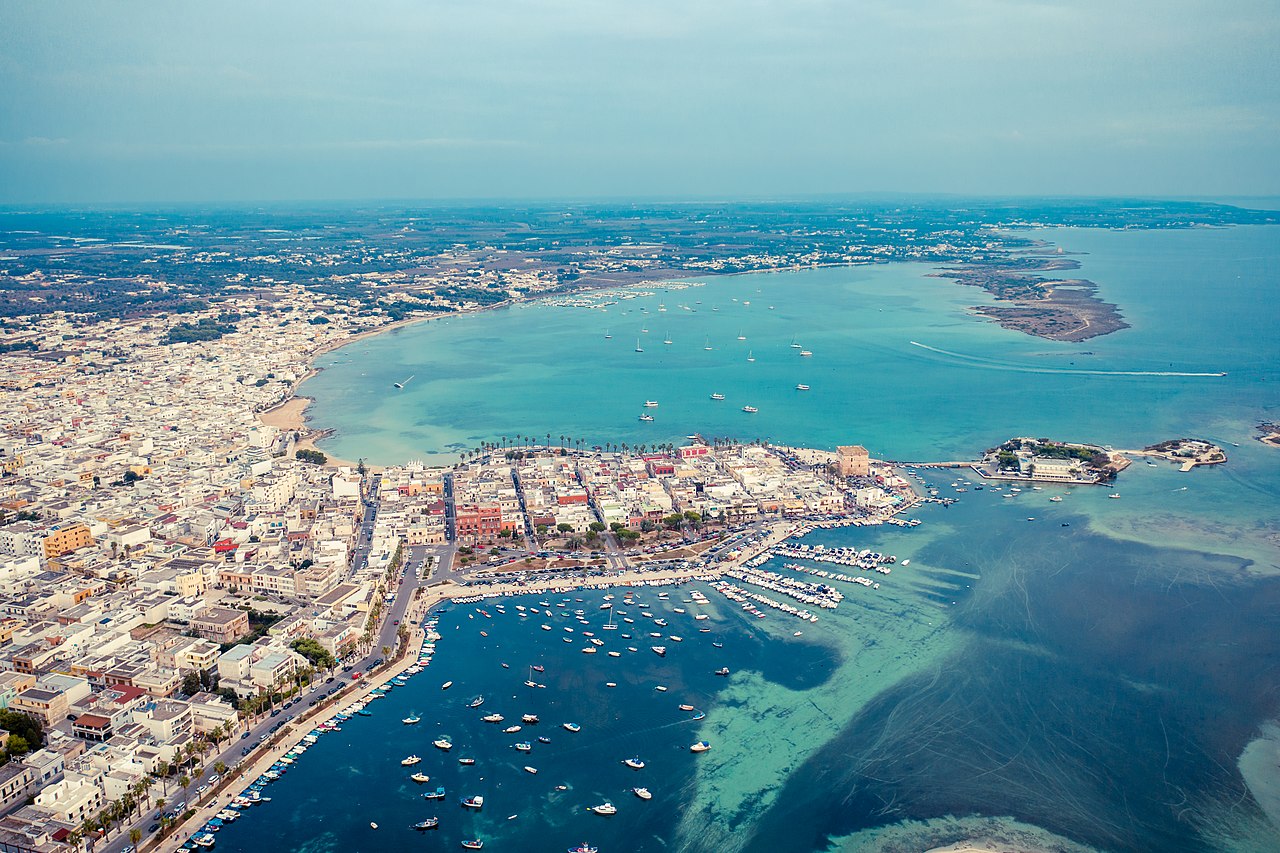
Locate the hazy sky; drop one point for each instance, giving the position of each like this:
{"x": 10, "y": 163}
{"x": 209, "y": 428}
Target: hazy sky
{"x": 175, "y": 101}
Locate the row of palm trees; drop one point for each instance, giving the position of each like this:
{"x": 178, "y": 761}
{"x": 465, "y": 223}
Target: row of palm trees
{"x": 568, "y": 442}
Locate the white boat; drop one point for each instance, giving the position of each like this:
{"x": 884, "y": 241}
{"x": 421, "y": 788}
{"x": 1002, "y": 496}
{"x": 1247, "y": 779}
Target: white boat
{"x": 802, "y": 387}
{"x": 410, "y": 761}
{"x": 717, "y": 396}
{"x": 634, "y": 763}
{"x": 642, "y": 793}
{"x": 530, "y": 719}
{"x": 446, "y": 685}
{"x": 667, "y": 340}
{"x": 751, "y": 410}
{"x": 707, "y": 346}
{"x": 651, "y": 404}
{"x": 700, "y": 746}
{"x": 1055, "y": 499}
{"x": 528, "y": 769}
{"x": 638, "y": 347}
{"x": 511, "y": 729}
{"x": 476, "y": 802}
{"x": 572, "y": 727}
{"x": 605, "y": 809}
{"x": 741, "y": 336}
{"x": 412, "y": 721}
{"x": 493, "y": 718}
{"x": 420, "y": 778}
{"x": 646, "y": 418}
{"x": 660, "y": 651}
{"x": 1114, "y": 495}
{"x": 607, "y": 336}
{"x": 805, "y": 353}
{"x": 442, "y": 743}
{"x": 750, "y": 357}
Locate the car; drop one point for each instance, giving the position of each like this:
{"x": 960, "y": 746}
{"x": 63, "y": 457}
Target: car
{"x": 153, "y": 827}
{"x": 214, "y": 779}
{"x": 202, "y": 789}
{"x": 312, "y": 702}
{"x": 395, "y": 622}
{"x": 246, "y": 750}
{"x": 243, "y": 735}
{"x": 128, "y": 848}
{"x": 329, "y": 680}
{"x": 275, "y": 712}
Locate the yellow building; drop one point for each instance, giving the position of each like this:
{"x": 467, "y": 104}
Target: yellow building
{"x": 63, "y": 539}
{"x": 854, "y": 461}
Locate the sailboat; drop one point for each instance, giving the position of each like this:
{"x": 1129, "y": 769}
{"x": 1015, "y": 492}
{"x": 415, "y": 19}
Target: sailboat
{"x": 750, "y": 357}
{"x": 667, "y": 340}
{"x": 607, "y": 336}
{"x": 609, "y": 626}
{"x": 708, "y": 345}
{"x": 638, "y": 347}
{"x": 741, "y": 336}
{"x": 400, "y": 385}
{"x": 795, "y": 345}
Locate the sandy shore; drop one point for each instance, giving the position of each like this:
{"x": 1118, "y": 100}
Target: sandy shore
{"x": 290, "y": 416}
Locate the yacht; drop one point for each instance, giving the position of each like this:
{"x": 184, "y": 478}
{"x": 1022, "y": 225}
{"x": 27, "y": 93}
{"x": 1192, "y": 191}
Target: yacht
{"x": 410, "y": 761}
{"x": 802, "y": 387}
{"x": 476, "y": 802}
{"x": 529, "y": 719}
{"x": 493, "y": 718}
{"x": 646, "y": 418}
{"x": 651, "y": 404}
{"x": 510, "y": 730}
{"x": 660, "y": 651}
{"x": 572, "y": 727}
{"x": 642, "y": 793}
{"x": 750, "y": 410}
{"x": 795, "y": 345}
{"x": 667, "y": 340}
{"x": 420, "y": 778}
{"x": 605, "y": 809}
{"x": 717, "y": 396}
{"x": 700, "y": 746}
{"x": 429, "y": 823}
{"x": 412, "y": 720}
{"x": 634, "y": 763}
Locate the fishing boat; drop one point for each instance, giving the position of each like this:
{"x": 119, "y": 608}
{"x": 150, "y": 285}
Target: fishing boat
{"x": 1114, "y": 495}
{"x": 443, "y": 743}
{"x": 584, "y": 848}
{"x": 724, "y": 670}
{"x": 476, "y": 802}
{"x": 572, "y": 727}
{"x": 634, "y": 763}
{"x": 523, "y": 746}
{"x": 420, "y": 778}
{"x": 642, "y": 793}
{"x": 605, "y": 809}
{"x": 412, "y": 720}
{"x": 717, "y": 396}
{"x": 472, "y": 844}
{"x": 647, "y": 418}
{"x": 466, "y": 762}
{"x": 493, "y": 718}
{"x": 437, "y": 794}
{"x": 544, "y": 739}
{"x": 750, "y": 410}
{"x": 700, "y": 746}
{"x": 410, "y": 761}
{"x": 429, "y": 823}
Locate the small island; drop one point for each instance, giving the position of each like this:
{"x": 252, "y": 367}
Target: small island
{"x": 1189, "y": 452}
{"x": 1046, "y": 460}
{"x": 1269, "y": 433}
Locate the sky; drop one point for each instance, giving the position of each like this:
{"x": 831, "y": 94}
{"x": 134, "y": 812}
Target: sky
{"x": 577, "y": 99}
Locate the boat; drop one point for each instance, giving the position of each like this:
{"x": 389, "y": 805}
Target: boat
{"x": 605, "y": 809}
{"x": 717, "y": 396}
{"x": 420, "y": 778}
{"x": 805, "y": 353}
{"x": 476, "y": 802}
{"x": 795, "y": 345}
{"x": 466, "y": 762}
{"x": 651, "y": 404}
{"x": 472, "y": 844}
{"x": 751, "y": 410}
{"x": 584, "y": 848}
{"x": 511, "y": 730}
{"x": 741, "y": 336}
{"x": 686, "y": 707}
{"x": 572, "y": 727}
{"x": 634, "y": 763}
{"x": 446, "y": 685}
{"x": 724, "y": 670}
{"x": 442, "y": 743}
{"x": 700, "y": 746}
{"x": 646, "y": 418}
{"x": 1055, "y": 499}
{"x": 707, "y": 346}
{"x": 667, "y": 340}
{"x": 661, "y": 688}
{"x": 537, "y": 667}
{"x": 802, "y": 387}
{"x": 528, "y": 769}
{"x": 476, "y": 702}
{"x": 529, "y": 719}
{"x": 437, "y": 794}
{"x": 429, "y": 823}
{"x": 399, "y": 386}
{"x": 607, "y": 336}
{"x": 543, "y": 739}
{"x": 1114, "y": 495}
{"x": 372, "y": 825}
{"x": 412, "y": 721}
{"x": 750, "y": 357}
{"x": 642, "y": 793}
{"x": 638, "y": 347}
{"x": 524, "y": 746}
{"x": 493, "y": 718}
{"x": 660, "y": 651}
{"x": 410, "y": 761}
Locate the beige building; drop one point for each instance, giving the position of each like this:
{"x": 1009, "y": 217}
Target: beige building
{"x": 854, "y": 461}
{"x": 221, "y": 624}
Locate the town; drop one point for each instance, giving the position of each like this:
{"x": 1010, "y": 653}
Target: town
{"x": 181, "y": 578}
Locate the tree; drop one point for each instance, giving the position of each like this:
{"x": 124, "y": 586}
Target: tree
{"x": 219, "y": 768}
{"x": 135, "y": 835}
{"x": 313, "y": 457}
{"x": 564, "y": 527}
{"x": 596, "y": 527}
{"x": 191, "y": 683}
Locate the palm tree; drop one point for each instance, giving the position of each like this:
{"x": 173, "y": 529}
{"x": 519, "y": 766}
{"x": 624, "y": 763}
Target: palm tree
{"x": 135, "y": 835}
{"x": 184, "y": 782}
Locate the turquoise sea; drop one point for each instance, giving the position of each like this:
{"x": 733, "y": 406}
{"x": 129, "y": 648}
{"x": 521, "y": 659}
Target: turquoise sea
{"x": 1101, "y": 677}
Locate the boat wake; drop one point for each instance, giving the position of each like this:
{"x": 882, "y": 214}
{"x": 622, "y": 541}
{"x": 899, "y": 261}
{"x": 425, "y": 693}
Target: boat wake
{"x": 992, "y": 364}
